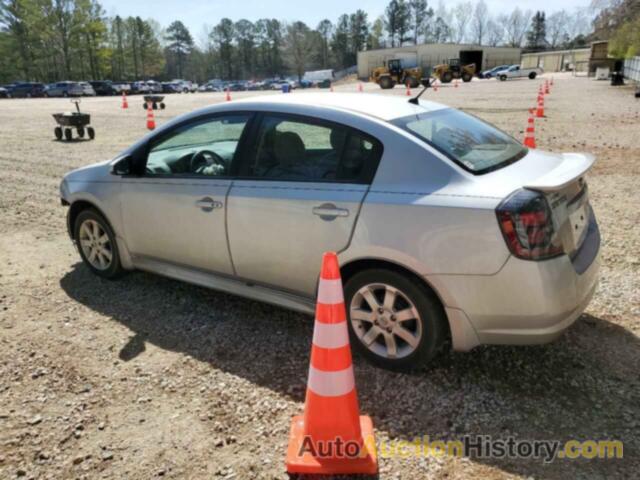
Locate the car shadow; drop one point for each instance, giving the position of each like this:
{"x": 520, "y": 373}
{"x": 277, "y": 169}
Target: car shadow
{"x": 583, "y": 386}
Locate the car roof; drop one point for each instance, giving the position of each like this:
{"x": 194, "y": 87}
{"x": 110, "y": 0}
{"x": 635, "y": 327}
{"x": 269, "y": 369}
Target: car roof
{"x": 384, "y": 107}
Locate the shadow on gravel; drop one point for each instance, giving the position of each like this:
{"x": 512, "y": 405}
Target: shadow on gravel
{"x": 584, "y": 386}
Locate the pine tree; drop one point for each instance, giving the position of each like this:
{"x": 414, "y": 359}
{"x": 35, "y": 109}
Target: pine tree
{"x": 536, "y": 36}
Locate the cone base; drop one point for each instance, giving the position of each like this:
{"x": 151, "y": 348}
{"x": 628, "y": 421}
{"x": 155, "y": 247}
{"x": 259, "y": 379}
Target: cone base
{"x": 307, "y": 463}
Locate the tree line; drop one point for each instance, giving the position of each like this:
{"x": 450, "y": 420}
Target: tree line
{"x": 50, "y": 40}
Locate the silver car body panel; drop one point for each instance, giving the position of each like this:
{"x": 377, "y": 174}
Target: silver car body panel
{"x": 273, "y": 229}
{"x": 421, "y": 212}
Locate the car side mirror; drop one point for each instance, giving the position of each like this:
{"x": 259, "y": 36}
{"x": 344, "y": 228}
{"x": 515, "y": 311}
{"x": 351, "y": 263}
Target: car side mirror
{"x": 124, "y": 166}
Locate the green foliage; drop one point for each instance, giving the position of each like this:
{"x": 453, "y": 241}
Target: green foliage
{"x": 625, "y": 42}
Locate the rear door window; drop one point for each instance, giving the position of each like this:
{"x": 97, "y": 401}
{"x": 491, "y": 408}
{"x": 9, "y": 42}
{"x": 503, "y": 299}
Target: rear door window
{"x": 299, "y": 149}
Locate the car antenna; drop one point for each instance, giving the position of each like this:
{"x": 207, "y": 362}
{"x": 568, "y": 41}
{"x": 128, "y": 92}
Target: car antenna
{"x": 426, "y": 83}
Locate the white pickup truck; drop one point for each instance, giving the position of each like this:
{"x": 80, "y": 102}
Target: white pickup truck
{"x": 515, "y": 71}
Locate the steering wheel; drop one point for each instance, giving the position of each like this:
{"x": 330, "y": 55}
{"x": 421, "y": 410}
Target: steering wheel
{"x": 205, "y": 158}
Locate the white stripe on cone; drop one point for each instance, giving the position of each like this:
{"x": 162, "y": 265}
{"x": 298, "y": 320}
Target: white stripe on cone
{"x": 330, "y": 335}
{"x": 331, "y": 384}
{"x": 330, "y": 292}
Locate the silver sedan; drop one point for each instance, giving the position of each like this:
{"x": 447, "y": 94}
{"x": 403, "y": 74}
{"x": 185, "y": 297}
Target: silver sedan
{"x": 448, "y": 230}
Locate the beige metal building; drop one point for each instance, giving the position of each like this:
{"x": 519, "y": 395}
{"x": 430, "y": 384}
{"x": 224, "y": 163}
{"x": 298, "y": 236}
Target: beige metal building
{"x": 558, "y": 60}
{"x": 429, "y": 54}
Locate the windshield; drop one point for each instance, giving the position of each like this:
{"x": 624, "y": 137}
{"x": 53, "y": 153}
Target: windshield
{"x": 473, "y": 144}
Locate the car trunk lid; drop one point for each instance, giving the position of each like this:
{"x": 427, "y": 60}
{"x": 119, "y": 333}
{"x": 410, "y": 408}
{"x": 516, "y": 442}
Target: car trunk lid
{"x": 566, "y": 192}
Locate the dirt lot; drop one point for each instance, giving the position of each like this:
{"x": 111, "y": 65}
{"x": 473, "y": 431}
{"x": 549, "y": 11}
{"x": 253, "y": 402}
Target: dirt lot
{"x": 147, "y": 377}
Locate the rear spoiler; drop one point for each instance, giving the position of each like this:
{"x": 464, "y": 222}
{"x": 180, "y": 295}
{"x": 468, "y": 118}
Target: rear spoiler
{"x": 573, "y": 166}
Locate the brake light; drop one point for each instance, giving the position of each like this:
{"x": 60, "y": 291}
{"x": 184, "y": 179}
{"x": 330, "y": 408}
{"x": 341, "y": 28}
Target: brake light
{"x": 527, "y": 225}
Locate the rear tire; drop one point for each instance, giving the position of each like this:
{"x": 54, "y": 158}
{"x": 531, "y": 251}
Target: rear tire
{"x": 446, "y": 77}
{"x": 58, "y": 133}
{"x": 466, "y": 78}
{"x": 423, "y": 318}
{"x": 80, "y": 131}
{"x": 83, "y": 234}
{"x": 503, "y": 78}
{"x": 68, "y": 134}
{"x": 91, "y": 132}
{"x": 413, "y": 82}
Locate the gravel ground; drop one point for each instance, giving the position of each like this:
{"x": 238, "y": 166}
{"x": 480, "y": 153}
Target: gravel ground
{"x": 147, "y": 377}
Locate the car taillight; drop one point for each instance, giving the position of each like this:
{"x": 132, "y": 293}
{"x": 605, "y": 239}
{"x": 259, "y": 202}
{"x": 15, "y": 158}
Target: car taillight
{"x": 527, "y": 226}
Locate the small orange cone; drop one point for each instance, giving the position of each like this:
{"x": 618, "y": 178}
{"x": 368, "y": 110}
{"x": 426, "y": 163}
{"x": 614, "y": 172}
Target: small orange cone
{"x": 435, "y": 85}
{"x": 408, "y": 90}
{"x": 124, "y": 100}
{"x": 530, "y": 135}
{"x": 331, "y": 437}
{"x": 228, "y": 95}
{"x": 151, "y": 123}
{"x": 540, "y": 109}
{"x": 546, "y": 87}
{"x": 360, "y": 89}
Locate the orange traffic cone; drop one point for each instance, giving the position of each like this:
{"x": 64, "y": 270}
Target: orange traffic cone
{"x": 435, "y": 86}
{"x": 546, "y": 87}
{"x": 540, "y": 109}
{"x": 124, "y": 100}
{"x": 408, "y": 90}
{"x": 228, "y": 95}
{"x": 331, "y": 437}
{"x": 530, "y": 135}
{"x": 151, "y": 123}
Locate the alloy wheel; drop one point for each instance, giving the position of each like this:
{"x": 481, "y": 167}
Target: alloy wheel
{"x": 385, "y": 320}
{"x": 95, "y": 244}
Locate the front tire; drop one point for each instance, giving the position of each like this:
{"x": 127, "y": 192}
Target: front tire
{"x": 97, "y": 244}
{"x": 446, "y": 77}
{"x": 394, "y": 322}
{"x": 386, "y": 83}
{"x": 503, "y": 78}
{"x": 532, "y": 76}
{"x": 466, "y": 77}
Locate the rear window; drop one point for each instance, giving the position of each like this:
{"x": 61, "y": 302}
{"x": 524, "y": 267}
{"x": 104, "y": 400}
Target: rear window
{"x": 473, "y": 144}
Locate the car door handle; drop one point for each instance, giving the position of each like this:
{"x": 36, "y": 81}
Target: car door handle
{"x": 207, "y": 204}
{"x": 328, "y": 211}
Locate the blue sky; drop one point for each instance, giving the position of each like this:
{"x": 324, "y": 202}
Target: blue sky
{"x": 196, "y": 13}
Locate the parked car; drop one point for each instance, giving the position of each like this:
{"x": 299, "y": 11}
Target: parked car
{"x": 446, "y": 227}
{"x": 120, "y": 87}
{"x": 64, "y": 89}
{"x": 170, "y": 87}
{"x": 27, "y": 90}
{"x": 154, "y": 87}
{"x": 492, "y": 71}
{"x": 87, "y": 89}
{"x": 104, "y": 87}
{"x": 186, "y": 86}
{"x": 140, "y": 87}
{"x": 4, "y": 93}
{"x": 514, "y": 71}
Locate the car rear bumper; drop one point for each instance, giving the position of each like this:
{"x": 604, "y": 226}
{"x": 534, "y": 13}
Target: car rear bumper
{"x": 526, "y": 302}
